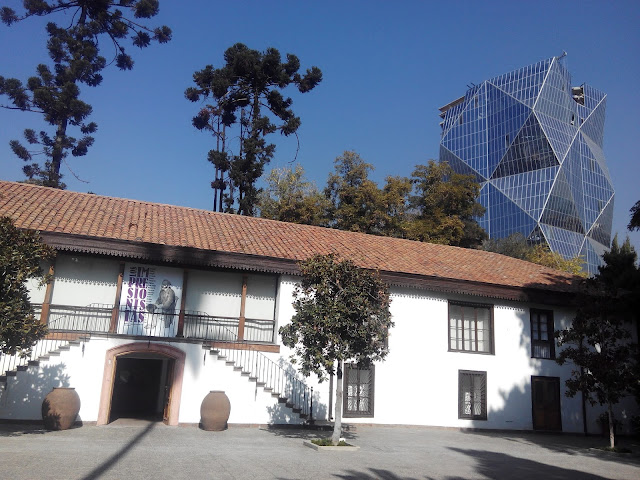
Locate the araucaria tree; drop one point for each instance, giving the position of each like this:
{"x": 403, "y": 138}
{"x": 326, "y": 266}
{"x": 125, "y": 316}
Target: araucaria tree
{"x": 599, "y": 341}
{"x": 342, "y": 315}
{"x": 74, "y": 49}
{"x": 21, "y": 252}
{"x": 246, "y": 93}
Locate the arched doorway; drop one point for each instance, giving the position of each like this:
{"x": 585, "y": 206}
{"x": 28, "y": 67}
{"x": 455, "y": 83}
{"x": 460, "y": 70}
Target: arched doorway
{"x": 142, "y": 380}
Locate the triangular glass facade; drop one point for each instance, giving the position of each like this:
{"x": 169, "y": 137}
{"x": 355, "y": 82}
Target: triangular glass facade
{"x": 534, "y": 143}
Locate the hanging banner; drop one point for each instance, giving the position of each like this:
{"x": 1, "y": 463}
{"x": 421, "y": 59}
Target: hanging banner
{"x": 150, "y": 300}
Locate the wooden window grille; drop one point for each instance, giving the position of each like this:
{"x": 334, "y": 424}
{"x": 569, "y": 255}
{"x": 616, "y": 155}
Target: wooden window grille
{"x": 358, "y": 391}
{"x": 542, "y": 339}
{"x": 472, "y": 395}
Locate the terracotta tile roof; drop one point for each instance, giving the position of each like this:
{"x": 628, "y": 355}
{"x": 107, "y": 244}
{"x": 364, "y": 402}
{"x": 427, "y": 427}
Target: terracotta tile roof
{"x": 51, "y": 210}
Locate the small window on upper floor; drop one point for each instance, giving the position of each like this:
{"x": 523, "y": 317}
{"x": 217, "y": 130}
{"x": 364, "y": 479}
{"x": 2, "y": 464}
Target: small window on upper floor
{"x": 542, "y": 339}
{"x": 470, "y": 328}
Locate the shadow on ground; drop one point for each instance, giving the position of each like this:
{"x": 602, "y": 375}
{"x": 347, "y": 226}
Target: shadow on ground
{"x": 372, "y": 474}
{"x": 110, "y": 462}
{"x": 572, "y": 444}
{"x": 306, "y": 433}
{"x": 501, "y": 465}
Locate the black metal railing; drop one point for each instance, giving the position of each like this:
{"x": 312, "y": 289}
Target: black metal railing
{"x": 57, "y": 339}
{"x": 75, "y": 324}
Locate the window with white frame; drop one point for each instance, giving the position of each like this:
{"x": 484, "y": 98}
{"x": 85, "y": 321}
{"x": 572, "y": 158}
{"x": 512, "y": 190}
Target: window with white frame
{"x": 470, "y": 328}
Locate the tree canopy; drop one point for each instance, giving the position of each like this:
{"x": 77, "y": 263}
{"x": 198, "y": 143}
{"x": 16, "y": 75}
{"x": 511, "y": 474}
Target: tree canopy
{"x": 288, "y": 197}
{"x": 599, "y": 340}
{"x": 246, "y": 92}
{"x": 445, "y": 204}
{"x": 21, "y": 252}
{"x": 342, "y": 314}
{"x": 74, "y": 50}
{"x": 634, "y": 222}
{"x": 434, "y": 205}
{"x": 517, "y": 246}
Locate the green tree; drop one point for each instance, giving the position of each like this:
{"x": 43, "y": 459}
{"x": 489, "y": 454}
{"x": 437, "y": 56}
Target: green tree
{"x": 249, "y": 86}
{"x": 542, "y": 255}
{"x": 598, "y": 341}
{"x": 356, "y": 202}
{"x": 21, "y": 252}
{"x": 342, "y": 314}
{"x": 517, "y": 246}
{"x": 74, "y": 50}
{"x": 634, "y": 223}
{"x": 445, "y": 205}
{"x": 289, "y": 197}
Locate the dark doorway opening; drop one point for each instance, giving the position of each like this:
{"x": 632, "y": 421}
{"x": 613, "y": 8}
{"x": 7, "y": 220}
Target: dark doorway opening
{"x": 140, "y": 388}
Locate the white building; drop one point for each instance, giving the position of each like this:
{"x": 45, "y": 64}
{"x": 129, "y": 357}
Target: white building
{"x": 152, "y": 306}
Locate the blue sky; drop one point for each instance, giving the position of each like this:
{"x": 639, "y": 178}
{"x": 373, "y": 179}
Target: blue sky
{"x": 387, "y": 68}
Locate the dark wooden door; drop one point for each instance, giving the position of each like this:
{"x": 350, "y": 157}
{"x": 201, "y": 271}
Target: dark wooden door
{"x": 545, "y": 398}
{"x": 167, "y": 391}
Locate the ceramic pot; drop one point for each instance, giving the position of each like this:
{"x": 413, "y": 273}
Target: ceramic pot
{"x": 60, "y": 408}
{"x": 214, "y": 411}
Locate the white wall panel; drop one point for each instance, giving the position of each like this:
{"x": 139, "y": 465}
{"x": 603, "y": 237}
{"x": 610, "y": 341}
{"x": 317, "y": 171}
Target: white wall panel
{"x": 83, "y": 280}
{"x": 214, "y": 293}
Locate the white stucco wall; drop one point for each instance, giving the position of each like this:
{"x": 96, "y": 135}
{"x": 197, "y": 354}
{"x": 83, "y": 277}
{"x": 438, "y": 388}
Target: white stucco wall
{"x": 416, "y": 385}
{"x": 84, "y": 280}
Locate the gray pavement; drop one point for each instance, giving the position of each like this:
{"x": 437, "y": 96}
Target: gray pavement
{"x": 141, "y": 450}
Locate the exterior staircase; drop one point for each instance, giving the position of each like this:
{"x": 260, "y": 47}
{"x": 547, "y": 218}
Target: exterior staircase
{"x": 73, "y": 326}
{"x": 52, "y": 345}
{"x": 278, "y": 380}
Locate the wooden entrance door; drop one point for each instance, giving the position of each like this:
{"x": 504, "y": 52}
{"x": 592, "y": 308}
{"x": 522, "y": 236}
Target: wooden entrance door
{"x": 168, "y": 382}
{"x": 545, "y": 399}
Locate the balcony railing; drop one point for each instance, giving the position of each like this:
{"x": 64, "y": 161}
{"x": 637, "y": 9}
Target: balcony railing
{"x": 73, "y": 325}
{"x": 99, "y": 318}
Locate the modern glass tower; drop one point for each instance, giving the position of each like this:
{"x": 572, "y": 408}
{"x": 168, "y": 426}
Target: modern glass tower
{"x": 534, "y": 143}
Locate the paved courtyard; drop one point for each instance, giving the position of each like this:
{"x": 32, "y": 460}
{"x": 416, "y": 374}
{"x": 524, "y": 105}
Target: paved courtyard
{"x": 142, "y": 450}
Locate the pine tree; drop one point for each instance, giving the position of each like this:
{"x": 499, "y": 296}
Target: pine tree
{"x": 246, "y": 93}
{"x": 74, "y": 50}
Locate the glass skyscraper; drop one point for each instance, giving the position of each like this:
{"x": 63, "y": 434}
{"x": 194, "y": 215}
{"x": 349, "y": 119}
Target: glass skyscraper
{"x": 534, "y": 142}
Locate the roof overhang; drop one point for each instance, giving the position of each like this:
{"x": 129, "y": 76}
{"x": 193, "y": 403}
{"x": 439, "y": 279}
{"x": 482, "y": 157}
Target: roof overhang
{"x": 199, "y": 258}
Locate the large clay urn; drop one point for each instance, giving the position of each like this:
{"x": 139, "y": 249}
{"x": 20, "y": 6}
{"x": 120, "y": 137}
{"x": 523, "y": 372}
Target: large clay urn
{"x": 214, "y": 411}
{"x": 60, "y": 408}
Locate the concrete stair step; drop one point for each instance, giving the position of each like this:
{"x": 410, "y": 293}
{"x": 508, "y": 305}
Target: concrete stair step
{"x": 34, "y": 363}
{"x": 22, "y": 368}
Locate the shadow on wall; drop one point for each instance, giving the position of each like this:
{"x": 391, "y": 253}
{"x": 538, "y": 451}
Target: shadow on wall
{"x": 24, "y": 393}
{"x": 280, "y": 414}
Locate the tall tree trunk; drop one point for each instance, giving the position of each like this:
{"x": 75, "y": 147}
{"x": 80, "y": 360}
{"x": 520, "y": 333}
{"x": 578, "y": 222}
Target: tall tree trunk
{"x": 57, "y": 154}
{"x": 612, "y": 433}
{"x": 337, "y": 424}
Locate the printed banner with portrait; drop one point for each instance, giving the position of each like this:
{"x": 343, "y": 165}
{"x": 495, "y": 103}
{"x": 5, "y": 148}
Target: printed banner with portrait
{"x": 150, "y": 300}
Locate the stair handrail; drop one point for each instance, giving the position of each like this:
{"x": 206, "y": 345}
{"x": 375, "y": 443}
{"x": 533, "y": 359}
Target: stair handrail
{"x": 289, "y": 387}
{"x": 55, "y": 339}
